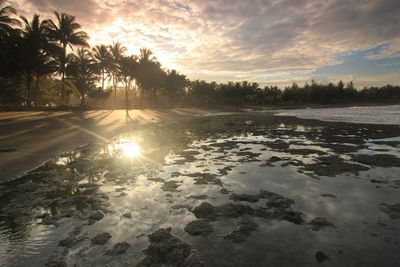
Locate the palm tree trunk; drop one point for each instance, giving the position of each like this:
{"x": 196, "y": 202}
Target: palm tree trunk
{"x": 63, "y": 62}
{"x": 115, "y": 91}
{"x": 126, "y": 97}
{"x": 141, "y": 97}
{"x": 36, "y": 94}
{"x": 82, "y": 99}
{"x": 29, "y": 90}
{"x": 102, "y": 80}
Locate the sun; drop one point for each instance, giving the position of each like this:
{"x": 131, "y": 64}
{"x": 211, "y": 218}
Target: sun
{"x": 131, "y": 150}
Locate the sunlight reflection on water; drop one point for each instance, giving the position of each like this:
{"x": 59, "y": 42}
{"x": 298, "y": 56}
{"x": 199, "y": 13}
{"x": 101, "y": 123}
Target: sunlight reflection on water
{"x": 128, "y": 147}
{"x": 155, "y": 178}
{"x": 131, "y": 150}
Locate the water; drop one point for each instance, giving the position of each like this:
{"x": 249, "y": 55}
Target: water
{"x": 159, "y": 175}
{"x": 389, "y": 115}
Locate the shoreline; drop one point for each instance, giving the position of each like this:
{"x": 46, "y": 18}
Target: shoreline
{"x": 77, "y": 109}
{"x": 39, "y": 136}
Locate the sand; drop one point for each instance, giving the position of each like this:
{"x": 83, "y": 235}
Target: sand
{"x": 38, "y": 136}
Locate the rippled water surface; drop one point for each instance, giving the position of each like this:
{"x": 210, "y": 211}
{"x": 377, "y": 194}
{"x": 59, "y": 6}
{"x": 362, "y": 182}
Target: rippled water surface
{"x": 240, "y": 190}
{"x": 389, "y": 115}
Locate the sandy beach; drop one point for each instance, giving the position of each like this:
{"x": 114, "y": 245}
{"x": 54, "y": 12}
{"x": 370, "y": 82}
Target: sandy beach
{"x": 38, "y": 136}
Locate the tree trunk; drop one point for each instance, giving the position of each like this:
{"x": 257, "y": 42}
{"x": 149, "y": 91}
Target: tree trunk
{"x": 115, "y": 91}
{"x": 141, "y": 93}
{"x": 63, "y": 62}
{"x": 82, "y": 99}
{"x": 102, "y": 80}
{"x": 126, "y": 97}
{"x": 154, "y": 98}
{"x": 36, "y": 94}
{"x": 29, "y": 90}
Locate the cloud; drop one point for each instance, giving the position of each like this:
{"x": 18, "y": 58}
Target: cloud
{"x": 242, "y": 38}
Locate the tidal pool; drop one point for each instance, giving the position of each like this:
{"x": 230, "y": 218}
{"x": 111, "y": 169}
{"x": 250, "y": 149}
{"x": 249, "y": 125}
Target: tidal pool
{"x": 233, "y": 190}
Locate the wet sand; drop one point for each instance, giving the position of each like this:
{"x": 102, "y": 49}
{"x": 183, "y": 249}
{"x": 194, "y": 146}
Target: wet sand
{"x": 38, "y": 136}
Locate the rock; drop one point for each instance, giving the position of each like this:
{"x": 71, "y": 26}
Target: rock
{"x": 160, "y": 235}
{"x": 170, "y": 186}
{"x": 378, "y": 160}
{"x": 176, "y": 174}
{"x": 73, "y": 238}
{"x": 274, "y": 159}
{"x": 319, "y": 222}
{"x": 245, "y": 228}
{"x": 295, "y": 217}
{"x": 101, "y": 239}
{"x": 224, "y": 171}
{"x": 376, "y": 181}
{"x": 332, "y": 166}
{"x": 328, "y": 195}
{"x": 278, "y": 145}
{"x": 199, "y": 197}
{"x": 54, "y": 262}
{"x": 120, "y": 189}
{"x": 321, "y": 256}
{"x": 168, "y": 250}
{"x": 122, "y": 194}
{"x": 181, "y": 206}
{"x": 205, "y": 210}
{"x": 156, "y": 179}
{"x": 244, "y": 197}
{"x": 231, "y": 210}
{"x": 96, "y": 216}
{"x": 248, "y": 156}
{"x": 127, "y": 215}
{"x": 71, "y": 241}
{"x": 7, "y": 149}
{"x": 275, "y": 200}
{"x": 224, "y": 191}
{"x": 48, "y": 219}
{"x": 205, "y": 178}
{"x": 392, "y": 210}
{"x": 118, "y": 249}
{"x": 199, "y": 227}
{"x": 305, "y": 152}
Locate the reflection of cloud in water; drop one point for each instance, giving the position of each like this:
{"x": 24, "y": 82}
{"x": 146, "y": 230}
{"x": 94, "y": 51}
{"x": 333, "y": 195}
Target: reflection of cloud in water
{"x": 130, "y": 181}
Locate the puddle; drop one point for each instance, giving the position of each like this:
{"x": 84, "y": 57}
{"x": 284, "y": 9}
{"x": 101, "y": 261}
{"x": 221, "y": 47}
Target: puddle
{"x": 234, "y": 190}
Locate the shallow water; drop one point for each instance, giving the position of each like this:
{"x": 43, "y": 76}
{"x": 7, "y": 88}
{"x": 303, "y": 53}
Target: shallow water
{"x": 389, "y": 115}
{"x": 159, "y": 177}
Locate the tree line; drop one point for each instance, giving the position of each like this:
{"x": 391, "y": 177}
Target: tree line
{"x": 48, "y": 62}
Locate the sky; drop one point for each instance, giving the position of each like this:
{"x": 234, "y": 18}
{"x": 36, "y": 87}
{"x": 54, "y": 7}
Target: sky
{"x": 272, "y": 42}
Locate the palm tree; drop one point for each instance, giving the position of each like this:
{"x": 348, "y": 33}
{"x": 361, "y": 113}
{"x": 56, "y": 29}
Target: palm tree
{"x": 103, "y": 58}
{"x": 150, "y": 74}
{"x": 146, "y": 55}
{"x": 175, "y": 84}
{"x": 128, "y": 71}
{"x": 66, "y": 33}
{"x": 6, "y": 21}
{"x": 9, "y": 40}
{"x": 35, "y": 53}
{"x": 81, "y": 69}
{"x": 117, "y": 52}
